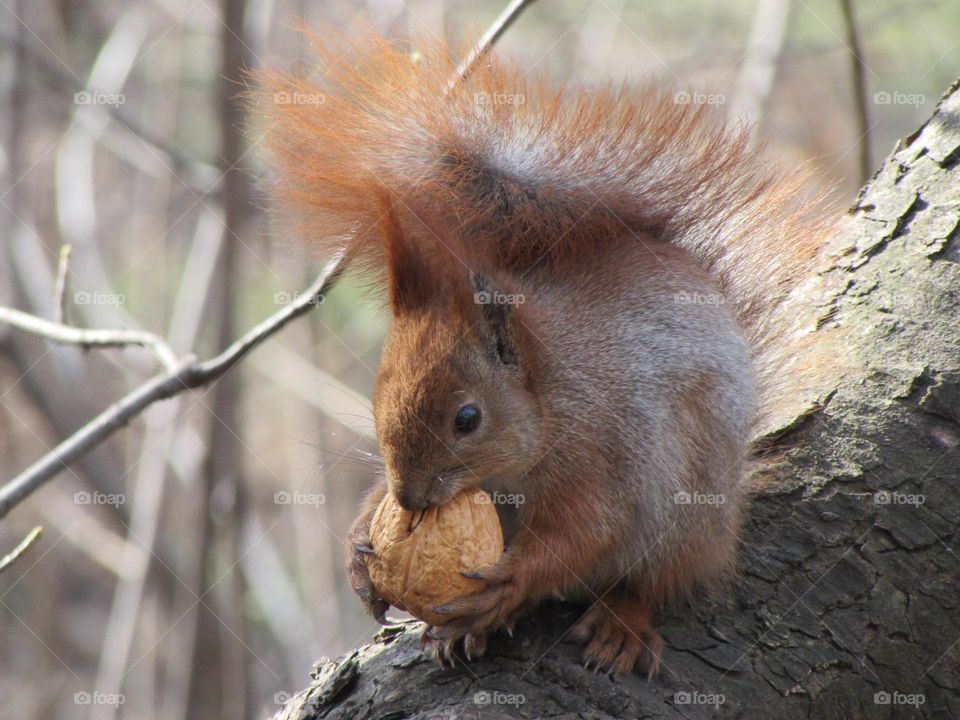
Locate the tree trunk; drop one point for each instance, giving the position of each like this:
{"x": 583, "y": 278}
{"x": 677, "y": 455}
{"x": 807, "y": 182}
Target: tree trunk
{"x": 848, "y": 602}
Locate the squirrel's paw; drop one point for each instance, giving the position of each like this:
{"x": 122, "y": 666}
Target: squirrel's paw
{"x": 486, "y": 610}
{"x": 447, "y": 651}
{"x": 619, "y": 638}
{"x": 360, "y": 579}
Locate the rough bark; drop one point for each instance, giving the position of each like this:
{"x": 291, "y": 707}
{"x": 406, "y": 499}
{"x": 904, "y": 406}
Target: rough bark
{"x": 850, "y": 576}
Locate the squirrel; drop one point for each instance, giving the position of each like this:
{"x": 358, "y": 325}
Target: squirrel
{"x": 587, "y": 289}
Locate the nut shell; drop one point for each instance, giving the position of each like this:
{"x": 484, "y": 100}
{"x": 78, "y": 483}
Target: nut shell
{"x": 420, "y": 556}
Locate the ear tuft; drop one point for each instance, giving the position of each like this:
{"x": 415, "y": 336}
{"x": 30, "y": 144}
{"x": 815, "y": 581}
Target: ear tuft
{"x": 408, "y": 269}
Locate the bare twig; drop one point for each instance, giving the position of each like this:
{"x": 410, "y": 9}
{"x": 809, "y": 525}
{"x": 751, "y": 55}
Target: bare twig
{"x": 859, "y": 88}
{"x": 88, "y": 338}
{"x": 189, "y": 373}
{"x": 20, "y": 549}
{"x": 493, "y": 33}
{"x": 60, "y": 288}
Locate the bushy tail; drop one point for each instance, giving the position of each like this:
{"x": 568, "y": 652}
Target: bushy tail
{"x": 527, "y": 173}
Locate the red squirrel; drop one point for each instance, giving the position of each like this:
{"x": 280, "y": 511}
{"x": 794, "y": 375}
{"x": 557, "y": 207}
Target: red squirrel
{"x": 585, "y": 286}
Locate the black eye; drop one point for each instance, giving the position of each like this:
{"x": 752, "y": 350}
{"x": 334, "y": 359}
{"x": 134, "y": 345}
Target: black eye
{"x": 467, "y": 419}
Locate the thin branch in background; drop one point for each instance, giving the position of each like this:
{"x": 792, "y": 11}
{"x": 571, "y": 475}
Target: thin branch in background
{"x": 90, "y": 338}
{"x": 499, "y": 26}
{"x": 87, "y": 338}
{"x": 858, "y": 78}
{"x": 60, "y": 288}
{"x": 188, "y": 374}
{"x": 220, "y": 657}
{"x": 25, "y": 544}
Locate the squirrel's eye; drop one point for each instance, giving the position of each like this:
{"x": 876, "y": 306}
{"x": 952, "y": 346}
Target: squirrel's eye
{"x": 467, "y": 419}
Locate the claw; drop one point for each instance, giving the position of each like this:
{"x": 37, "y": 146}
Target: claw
{"x": 473, "y": 575}
{"x": 380, "y": 614}
{"x": 442, "y": 610}
{"x": 363, "y": 592}
{"x": 364, "y": 549}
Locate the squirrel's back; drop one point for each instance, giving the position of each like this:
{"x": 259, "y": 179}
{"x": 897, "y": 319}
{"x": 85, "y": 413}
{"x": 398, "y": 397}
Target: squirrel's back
{"x": 653, "y": 412}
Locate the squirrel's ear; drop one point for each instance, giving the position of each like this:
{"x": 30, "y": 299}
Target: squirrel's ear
{"x": 408, "y": 271}
{"x": 497, "y": 312}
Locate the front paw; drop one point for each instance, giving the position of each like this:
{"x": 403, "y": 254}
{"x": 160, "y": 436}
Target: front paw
{"x": 359, "y": 548}
{"x": 490, "y": 608}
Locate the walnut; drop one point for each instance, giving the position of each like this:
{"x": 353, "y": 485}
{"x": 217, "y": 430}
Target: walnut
{"x": 420, "y": 556}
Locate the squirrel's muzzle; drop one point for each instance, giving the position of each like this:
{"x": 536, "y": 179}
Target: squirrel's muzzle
{"x": 411, "y": 500}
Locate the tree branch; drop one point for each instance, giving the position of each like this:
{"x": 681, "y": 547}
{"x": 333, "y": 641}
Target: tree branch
{"x": 8, "y": 560}
{"x": 88, "y": 338}
{"x": 493, "y": 33}
{"x": 60, "y": 286}
{"x": 859, "y": 82}
{"x": 185, "y": 374}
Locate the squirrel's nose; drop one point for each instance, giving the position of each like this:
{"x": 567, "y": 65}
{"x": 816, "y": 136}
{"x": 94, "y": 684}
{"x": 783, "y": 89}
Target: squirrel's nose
{"x": 410, "y": 500}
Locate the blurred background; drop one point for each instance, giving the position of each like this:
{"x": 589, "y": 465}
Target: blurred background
{"x": 191, "y": 566}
